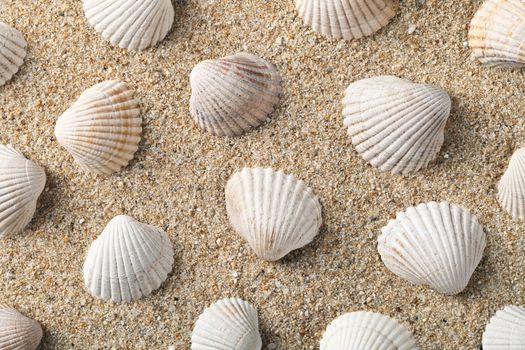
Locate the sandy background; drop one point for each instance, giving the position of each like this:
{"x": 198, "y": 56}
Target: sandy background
{"x": 177, "y": 178}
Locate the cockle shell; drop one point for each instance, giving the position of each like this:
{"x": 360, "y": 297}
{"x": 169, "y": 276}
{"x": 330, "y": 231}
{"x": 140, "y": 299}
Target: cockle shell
{"x": 18, "y": 332}
{"x": 434, "y": 244}
{"x": 128, "y": 260}
{"x": 12, "y": 52}
{"x": 274, "y": 212}
{"x": 233, "y": 94}
{"x": 228, "y": 324}
{"x": 511, "y": 188}
{"x": 21, "y": 183}
{"x": 396, "y": 125}
{"x": 130, "y": 24}
{"x": 497, "y": 33}
{"x": 506, "y": 330}
{"x": 102, "y": 128}
{"x": 365, "y": 330}
{"x": 348, "y": 19}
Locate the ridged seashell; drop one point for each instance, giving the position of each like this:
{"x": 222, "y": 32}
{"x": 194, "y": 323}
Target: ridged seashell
{"x": 102, "y": 128}
{"x": 434, "y": 244}
{"x": 128, "y": 260}
{"x": 396, "y": 125}
{"x": 506, "y": 330}
{"x": 228, "y": 324}
{"x": 274, "y": 212}
{"x": 233, "y": 94}
{"x": 18, "y": 332}
{"x": 497, "y": 33}
{"x": 348, "y": 19}
{"x": 12, "y": 52}
{"x": 365, "y": 330}
{"x": 511, "y": 188}
{"x": 21, "y": 182}
{"x": 130, "y": 24}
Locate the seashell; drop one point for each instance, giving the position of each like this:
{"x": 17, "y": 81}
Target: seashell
{"x": 233, "y": 94}
{"x": 506, "y": 329}
{"x": 497, "y": 33}
{"x": 434, "y": 244}
{"x": 348, "y": 19}
{"x": 18, "y": 332}
{"x": 128, "y": 260}
{"x": 365, "y": 330}
{"x": 396, "y": 125}
{"x": 274, "y": 212}
{"x": 511, "y": 191}
{"x": 12, "y": 52}
{"x": 102, "y": 128}
{"x": 228, "y": 324}
{"x": 130, "y": 24}
{"x": 21, "y": 182}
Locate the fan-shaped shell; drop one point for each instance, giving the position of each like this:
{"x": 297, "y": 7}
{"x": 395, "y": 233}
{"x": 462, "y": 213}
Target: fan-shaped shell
{"x": 348, "y": 19}
{"x": 12, "y": 52}
{"x": 274, "y": 212}
{"x": 497, "y": 33}
{"x": 21, "y": 182}
{"x": 506, "y": 329}
{"x": 434, "y": 244}
{"x": 511, "y": 188}
{"x": 128, "y": 260}
{"x": 364, "y": 330}
{"x": 102, "y": 128}
{"x": 229, "y": 324}
{"x": 130, "y": 24}
{"x": 396, "y": 125}
{"x": 18, "y": 332}
{"x": 233, "y": 94}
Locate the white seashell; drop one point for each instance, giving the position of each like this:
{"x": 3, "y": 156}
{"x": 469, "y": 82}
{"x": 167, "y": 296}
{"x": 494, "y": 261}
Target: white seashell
{"x": 18, "y": 332}
{"x": 511, "y": 188}
{"x": 434, "y": 244}
{"x": 233, "y": 94}
{"x": 506, "y": 330}
{"x": 102, "y": 128}
{"x": 274, "y": 212}
{"x": 128, "y": 260}
{"x": 348, "y": 19}
{"x": 396, "y": 125}
{"x": 12, "y": 52}
{"x": 130, "y": 24}
{"x": 497, "y": 33}
{"x": 228, "y": 324}
{"x": 21, "y": 182}
{"x": 364, "y": 330}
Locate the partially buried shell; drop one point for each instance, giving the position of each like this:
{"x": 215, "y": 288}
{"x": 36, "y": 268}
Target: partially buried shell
{"x": 396, "y": 125}
{"x": 497, "y": 33}
{"x": 434, "y": 244}
{"x": 228, "y": 324}
{"x": 12, "y": 52}
{"x": 364, "y": 330}
{"x": 128, "y": 260}
{"x": 102, "y": 128}
{"x": 21, "y": 183}
{"x": 348, "y": 19}
{"x": 274, "y": 212}
{"x": 233, "y": 94}
{"x": 511, "y": 188}
{"x": 18, "y": 332}
{"x": 130, "y": 24}
{"x": 506, "y": 329}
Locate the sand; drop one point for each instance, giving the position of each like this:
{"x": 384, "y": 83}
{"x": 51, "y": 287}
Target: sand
{"x": 177, "y": 178}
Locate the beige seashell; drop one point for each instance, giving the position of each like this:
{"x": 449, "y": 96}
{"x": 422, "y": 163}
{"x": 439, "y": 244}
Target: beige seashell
{"x": 102, "y": 128}
{"x": 506, "y": 329}
{"x": 396, "y": 125}
{"x": 348, "y": 19}
{"x": 274, "y": 212}
{"x": 511, "y": 188}
{"x": 18, "y": 332}
{"x": 130, "y": 24}
{"x": 434, "y": 244}
{"x": 497, "y": 33}
{"x": 12, "y": 52}
{"x": 233, "y": 94}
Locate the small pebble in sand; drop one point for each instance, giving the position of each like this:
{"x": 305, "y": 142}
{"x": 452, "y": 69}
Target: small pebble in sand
{"x": 411, "y": 28}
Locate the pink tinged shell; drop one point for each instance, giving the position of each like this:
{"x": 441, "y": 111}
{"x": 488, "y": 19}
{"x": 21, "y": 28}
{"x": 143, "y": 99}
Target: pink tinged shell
{"x": 18, "y": 332}
{"x": 511, "y": 187}
{"x": 12, "y": 52}
{"x": 506, "y": 329}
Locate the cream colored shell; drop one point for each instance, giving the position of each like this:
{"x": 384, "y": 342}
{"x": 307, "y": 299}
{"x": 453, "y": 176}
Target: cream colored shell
{"x": 506, "y": 329}
{"x": 511, "y": 188}
{"x": 12, "y": 52}
{"x": 18, "y": 332}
